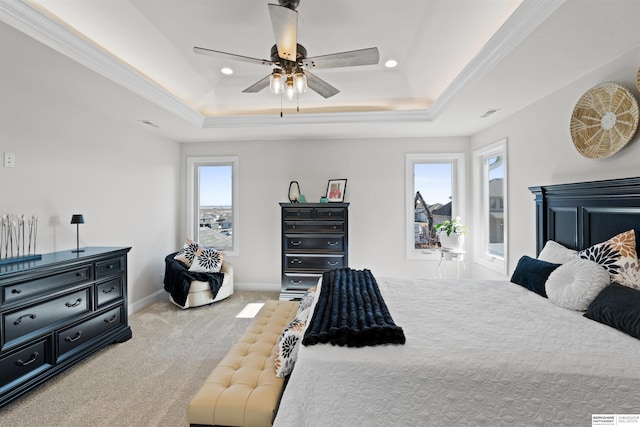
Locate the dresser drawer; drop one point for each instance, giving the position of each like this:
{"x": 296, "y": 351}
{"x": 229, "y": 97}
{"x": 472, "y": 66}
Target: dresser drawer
{"x": 46, "y": 283}
{"x": 110, "y": 267}
{"x": 24, "y": 363}
{"x": 313, "y": 262}
{"x": 314, "y": 226}
{"x": 298, "y": 213}
{"x": 76, "y": 336}
{"x": 108, "y": 291}
{"x": 300, "y": 282}
{"x": 314, "y": 243}
{"x": 18, "y": 325}
{"x": 330, "y": 214}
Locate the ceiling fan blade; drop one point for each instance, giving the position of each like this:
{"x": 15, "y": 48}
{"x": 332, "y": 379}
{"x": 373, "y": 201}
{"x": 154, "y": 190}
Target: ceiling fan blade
{"x": 344, "y": 59}
{"x": 209, "y": 52}
{"x": 317, "y": 84}
{"x": 259, "y": 85}
{"x": 285, "y": 29}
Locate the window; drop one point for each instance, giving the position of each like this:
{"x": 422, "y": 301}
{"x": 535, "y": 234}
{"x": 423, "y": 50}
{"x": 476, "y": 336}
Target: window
{"x": 490, "y": 205}
{"x": 212, "y": 208}
{"x": 435, "y": 193}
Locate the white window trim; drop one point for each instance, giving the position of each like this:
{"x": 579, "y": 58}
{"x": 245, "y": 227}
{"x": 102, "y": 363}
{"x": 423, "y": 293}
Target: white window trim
{"x": 457, "y": 184}
{"x": 192, "y": 190}
{"x": 481, "y": 209}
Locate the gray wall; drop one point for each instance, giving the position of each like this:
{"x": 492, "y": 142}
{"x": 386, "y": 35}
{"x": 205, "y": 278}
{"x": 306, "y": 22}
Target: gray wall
{"x": 75, "y": 154}
{"x": 541, "y": 152}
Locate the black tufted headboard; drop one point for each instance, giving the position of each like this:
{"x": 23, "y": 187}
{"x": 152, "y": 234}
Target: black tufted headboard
{"x": 582, "y": 214}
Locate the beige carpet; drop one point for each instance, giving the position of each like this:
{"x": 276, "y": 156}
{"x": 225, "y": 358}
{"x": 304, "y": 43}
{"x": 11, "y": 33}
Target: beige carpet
{"x": 146, "y": 381}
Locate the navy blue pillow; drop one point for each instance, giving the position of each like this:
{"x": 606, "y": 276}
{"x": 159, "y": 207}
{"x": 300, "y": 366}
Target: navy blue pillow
{"x": 619, "y": 307}
{"x": 532, "y": 274}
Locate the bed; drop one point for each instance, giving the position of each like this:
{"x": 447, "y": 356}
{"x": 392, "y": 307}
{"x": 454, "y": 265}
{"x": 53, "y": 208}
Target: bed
{"x": 483, "y": 352}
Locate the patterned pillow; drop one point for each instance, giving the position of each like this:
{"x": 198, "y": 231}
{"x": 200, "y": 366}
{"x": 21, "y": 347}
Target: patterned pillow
{"x": 576, "y": 283}
{"x": 207, "y": 260}
{"x": 618, "y": 255}
{"x": 187, "y": 253}
{"x": 289, "y": 343}
{"x": 307, "y": 300}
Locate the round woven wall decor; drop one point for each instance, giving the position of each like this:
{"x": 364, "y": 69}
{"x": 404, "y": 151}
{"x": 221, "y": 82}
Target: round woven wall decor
{"x": 638, "y": 79}
{"x": 604, "y": 120}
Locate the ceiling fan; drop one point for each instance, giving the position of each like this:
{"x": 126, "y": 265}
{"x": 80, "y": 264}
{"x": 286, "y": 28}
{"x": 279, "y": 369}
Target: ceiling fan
{"x": 290, "y": 75}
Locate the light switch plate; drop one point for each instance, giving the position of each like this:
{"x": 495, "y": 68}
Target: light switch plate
{"x": 9, "y": 160}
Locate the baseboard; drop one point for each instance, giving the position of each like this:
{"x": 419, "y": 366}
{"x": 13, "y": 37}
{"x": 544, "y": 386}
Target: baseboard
{"x": 162, "y": 295}
{"x": 261, "y": 286}
{"x": 159, "y": 295}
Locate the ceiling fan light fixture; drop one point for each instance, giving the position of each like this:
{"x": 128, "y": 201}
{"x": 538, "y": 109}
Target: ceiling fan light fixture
{"x": 276, "y": 82}
{"x": 290, "y": 89}
{"x": 300, "y": 82}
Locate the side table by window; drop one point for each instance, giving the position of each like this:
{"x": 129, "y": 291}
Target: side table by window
{"x": 456, "y": 256}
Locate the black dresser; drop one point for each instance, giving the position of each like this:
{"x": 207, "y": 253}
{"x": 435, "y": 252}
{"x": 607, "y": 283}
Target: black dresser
{"x": 315, "y": 239}
{"x": 56, "y": 311}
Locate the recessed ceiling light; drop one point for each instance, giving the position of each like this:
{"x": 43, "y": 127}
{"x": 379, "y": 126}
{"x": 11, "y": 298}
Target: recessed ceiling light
{"x": 391, "y": 63}
{"x": 227, "y": 71}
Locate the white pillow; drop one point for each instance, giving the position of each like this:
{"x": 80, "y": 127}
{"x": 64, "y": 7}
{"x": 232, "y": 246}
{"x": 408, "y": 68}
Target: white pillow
{"x": 575, "y": 284}
{"x": 555, "y": 253}
{"x": 207, "y": 260}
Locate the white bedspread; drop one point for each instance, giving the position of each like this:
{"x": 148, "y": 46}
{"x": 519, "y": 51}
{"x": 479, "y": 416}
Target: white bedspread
{"x": 477, "y": 353}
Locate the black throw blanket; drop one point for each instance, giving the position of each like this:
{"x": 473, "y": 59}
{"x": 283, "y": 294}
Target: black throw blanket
{"x": 178, "y": 278}
{"x": 351, "y": 311}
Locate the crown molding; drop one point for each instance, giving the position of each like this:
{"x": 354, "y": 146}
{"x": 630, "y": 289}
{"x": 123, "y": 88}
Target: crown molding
{"x": 52, "y": 33}
{"x": 524, "y": 20}
{"x": 56, "y": 35}
{"x": 318, "y": 118}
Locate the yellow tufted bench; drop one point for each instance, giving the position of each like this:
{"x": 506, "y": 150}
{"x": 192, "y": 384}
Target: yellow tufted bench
{"x": 243, "y": 389}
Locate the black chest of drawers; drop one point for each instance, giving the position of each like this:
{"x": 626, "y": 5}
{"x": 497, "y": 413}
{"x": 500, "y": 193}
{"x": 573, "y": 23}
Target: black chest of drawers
{"x": 56, "y": 311}
{"x": 315, "y": 239}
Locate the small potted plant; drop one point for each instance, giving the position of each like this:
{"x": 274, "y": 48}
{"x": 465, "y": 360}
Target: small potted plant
{"x": 451, "y": 234}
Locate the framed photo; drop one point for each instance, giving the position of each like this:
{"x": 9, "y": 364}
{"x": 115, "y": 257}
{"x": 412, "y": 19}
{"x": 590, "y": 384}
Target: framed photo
{"x": 336, "y": 189}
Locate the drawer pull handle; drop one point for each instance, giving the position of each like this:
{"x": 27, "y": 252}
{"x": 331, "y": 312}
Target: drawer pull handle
{"x": 16, "y": 291}
{"x": 108, "y": 291}
{"x": 73, "y": 304}
{"x": 75, "y": 338}
{"x": 332, "y": 243}
{"x": 19, "y": 319}
{"x": 80, "y": 274}
{"x": 298, "y": 243}
{"x": 296, "y": 282}
{"x": 110, "y": 267}
{"x": 111, "y": 319}
{"x": 333, "y": 263}
{"x": 296, "y": 261}
{"x": 32, "y": 359}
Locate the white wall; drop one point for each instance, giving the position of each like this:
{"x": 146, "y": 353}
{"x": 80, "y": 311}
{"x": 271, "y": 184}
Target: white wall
{"x": 73, "y": 155}
{"x": 540, "y": 151}
{"x": 375, "y": 190}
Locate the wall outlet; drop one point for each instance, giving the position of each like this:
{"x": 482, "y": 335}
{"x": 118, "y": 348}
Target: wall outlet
{"x": 9, "y": 160}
